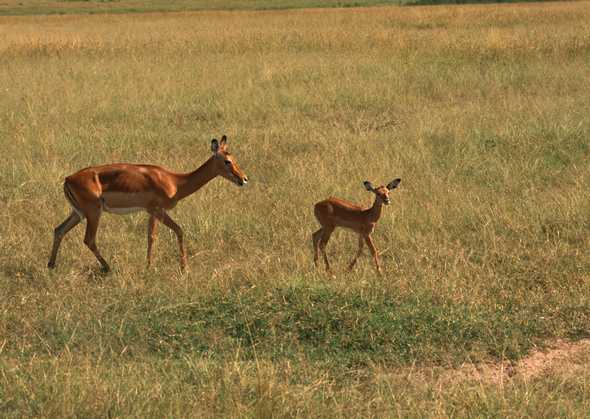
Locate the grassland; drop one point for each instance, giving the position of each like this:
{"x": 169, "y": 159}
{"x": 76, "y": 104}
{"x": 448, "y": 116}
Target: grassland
{"x": 481, "y": 110}
{"x": 36, "y": 7}
{"x": 48, "y": 7}
{"x": 45, "y": 7}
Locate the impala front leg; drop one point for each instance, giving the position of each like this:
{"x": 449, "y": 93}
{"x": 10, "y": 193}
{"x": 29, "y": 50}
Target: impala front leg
{"x": 151, "y": 236}
{"x": 169, "y": 222}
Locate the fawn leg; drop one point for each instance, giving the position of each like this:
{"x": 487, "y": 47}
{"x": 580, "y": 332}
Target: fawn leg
{"x": 359, "y": 252}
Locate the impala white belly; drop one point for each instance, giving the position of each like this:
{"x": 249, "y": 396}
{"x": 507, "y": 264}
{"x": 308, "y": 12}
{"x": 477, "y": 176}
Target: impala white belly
{"x": 124, "y": 203}
{"x": 122, "y": 211}
{"x": 341, "y": 222}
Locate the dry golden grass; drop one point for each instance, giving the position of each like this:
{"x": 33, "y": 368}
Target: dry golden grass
{"x": 481, "y": 110}
{"x": 44, "y": 7}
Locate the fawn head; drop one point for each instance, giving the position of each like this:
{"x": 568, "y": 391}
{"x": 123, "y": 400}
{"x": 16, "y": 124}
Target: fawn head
{"x": 226, "y": 163}
{"x": 382, "y": 192}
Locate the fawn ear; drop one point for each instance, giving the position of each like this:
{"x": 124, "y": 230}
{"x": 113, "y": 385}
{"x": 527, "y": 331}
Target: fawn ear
{"x": 393, "y": 184}
{"x": 368, "y": 186}
{"x": 214, "y": 146}
{"x": 223, "y": 142}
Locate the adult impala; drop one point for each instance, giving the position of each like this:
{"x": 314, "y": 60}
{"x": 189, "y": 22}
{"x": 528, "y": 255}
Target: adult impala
{"x": 334, "y": 212}
{"x": 124, "y": 188}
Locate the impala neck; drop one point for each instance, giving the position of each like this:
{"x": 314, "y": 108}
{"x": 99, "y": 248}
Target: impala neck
{"x": 375, "y": 210}
{"x": 191, "y": 182}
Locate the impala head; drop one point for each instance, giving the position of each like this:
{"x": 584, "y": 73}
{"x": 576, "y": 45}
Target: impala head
{"x": 226, "y": 163}
{"x": 382, "y": 192}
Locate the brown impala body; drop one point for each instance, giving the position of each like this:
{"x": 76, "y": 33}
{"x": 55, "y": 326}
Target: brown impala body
{"x": 125, "y": 188}
{"x": 334, "y": 212}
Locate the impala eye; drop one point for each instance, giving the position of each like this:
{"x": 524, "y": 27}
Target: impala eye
{"x": 228, "y": 162}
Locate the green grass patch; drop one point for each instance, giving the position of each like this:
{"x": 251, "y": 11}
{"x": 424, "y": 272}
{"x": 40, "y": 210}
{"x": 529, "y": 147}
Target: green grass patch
{"x": 317, "y": 323}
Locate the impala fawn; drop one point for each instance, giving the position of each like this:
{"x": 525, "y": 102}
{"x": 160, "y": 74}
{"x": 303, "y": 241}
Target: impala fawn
{"x": 334, "y": 212}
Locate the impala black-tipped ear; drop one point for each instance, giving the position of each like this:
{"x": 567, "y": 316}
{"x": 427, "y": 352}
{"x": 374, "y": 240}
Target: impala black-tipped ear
{"x": 368, "y": 186}
{"x": 393, "y": 184}
{"x": 214, "y": 145}
{"x": 223, "y": 141}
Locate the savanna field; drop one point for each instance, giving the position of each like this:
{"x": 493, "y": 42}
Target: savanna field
{"x": 481, "y": 110}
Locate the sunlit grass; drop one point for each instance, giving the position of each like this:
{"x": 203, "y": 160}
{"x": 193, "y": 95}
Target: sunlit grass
{"x": 480, "y": 110}
{"x": 45, "y": 7}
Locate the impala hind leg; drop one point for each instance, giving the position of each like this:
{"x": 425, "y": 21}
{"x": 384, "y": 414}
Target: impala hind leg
{"x": 92, "y": 220}
{"x": 151, "y": 237}
{"x": 315, "y": 238}
{"x": 169, "y": 222}
{"x": 60, "y": 231}
{"x": 326, "y": 233}
{"x": 358, "y": 253}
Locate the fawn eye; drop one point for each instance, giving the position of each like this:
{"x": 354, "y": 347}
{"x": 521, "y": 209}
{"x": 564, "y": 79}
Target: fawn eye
{"x": 228, "y": 162}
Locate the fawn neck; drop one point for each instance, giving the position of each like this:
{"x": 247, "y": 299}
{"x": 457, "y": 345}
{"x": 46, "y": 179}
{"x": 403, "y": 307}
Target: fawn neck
{"x": 375, "y": 210}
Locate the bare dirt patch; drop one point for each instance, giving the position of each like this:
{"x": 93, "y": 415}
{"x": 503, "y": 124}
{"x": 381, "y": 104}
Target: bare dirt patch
{"x": 563, "y": 356}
